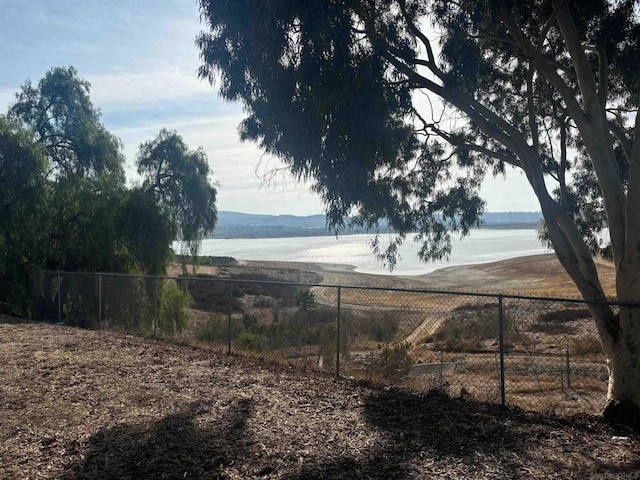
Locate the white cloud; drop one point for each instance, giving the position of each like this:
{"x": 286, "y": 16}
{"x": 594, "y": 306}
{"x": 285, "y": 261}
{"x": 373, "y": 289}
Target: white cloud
{"x": 126, "y": 89}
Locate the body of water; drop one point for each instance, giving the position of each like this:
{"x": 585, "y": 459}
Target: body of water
{"x": 481, "y": 246}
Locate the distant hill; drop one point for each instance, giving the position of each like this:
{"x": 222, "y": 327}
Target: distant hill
{"x": 510, "y": 219}
{"x": 248, "y": 225}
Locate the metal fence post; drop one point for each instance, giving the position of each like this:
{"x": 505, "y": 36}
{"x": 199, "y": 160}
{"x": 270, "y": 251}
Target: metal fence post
{"x": 229, "y": 320}
{"x": 155, "y": 303}
{"x": 501, "y": 344}
{"x": 568, "y": 370}
{"x": 59, "y": 298}
{"x": 338, "y": 335}
{"x": 99, "y": 301}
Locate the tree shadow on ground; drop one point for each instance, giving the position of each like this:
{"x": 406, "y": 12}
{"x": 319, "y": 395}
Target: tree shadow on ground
{"x": 454, "y": 438}
{"x": 174, "y": 447}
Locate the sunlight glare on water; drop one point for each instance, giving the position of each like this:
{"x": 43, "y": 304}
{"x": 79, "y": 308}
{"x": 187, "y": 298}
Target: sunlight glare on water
{"x": 481, "y": 246}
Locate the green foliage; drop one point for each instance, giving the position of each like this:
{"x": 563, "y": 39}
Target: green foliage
{"x": 262, "y": 301}
{"x": 23, "y": 200}
{"x": 64, "y": 204}
{"x": 377, "y": 326}
{"x": 305, "y": 299}
{"x": 248, "y": 332}
{"x": 216, "y": 329}
{"x": 395, "y": 362}
{"x": 290, "y": 64}
{"x": 128, "y": 302}
{"x": 173, "y": 314}
{"x": 65, "y": 122}
{"x": 214, "y": 295}
{"x": 179, "y": 178}
{"x": 146, "y": 230}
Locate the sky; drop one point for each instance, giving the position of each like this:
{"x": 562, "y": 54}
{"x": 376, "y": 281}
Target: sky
{"x": 141, "y": 60}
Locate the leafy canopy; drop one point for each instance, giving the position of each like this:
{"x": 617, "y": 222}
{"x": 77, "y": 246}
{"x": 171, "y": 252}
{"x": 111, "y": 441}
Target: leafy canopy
{"x": 337, "y": 90}
{"x": 179, "y": 180}
{"x": 323, "y": 98}
{"x": 64, "y": 204}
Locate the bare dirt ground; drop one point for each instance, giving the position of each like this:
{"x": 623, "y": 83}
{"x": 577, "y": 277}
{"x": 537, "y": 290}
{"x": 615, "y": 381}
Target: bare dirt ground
{"x": 78, "y": 404}
{"x": 536, "y": 275}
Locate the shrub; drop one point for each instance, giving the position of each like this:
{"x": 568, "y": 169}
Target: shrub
{"x": 173, "y": 312}
{"x": 305, "y": 299}
{"x": 381, "y": 330}
{"x": 303, "y": 318}
{"x": 211, "y": 295}
{"x": 214, "y": 294}
{"x": 586, "y": 345}
{"x": 395, "y": 362}
{"x": 128, "y": 303}
{"x": 263, "y": 302}
{"x": 467, "y": 326}
{"x": 378, "y": 326}
{"x": 248, "y": 320}
{"x": 562, "y": 316}
{"x": 252, "y": 341}
{"x": 216, "y": 329}
{"x": 553, "y": 329}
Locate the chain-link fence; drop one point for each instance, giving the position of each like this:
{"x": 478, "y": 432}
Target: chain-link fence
{"x": 536, "y": 353}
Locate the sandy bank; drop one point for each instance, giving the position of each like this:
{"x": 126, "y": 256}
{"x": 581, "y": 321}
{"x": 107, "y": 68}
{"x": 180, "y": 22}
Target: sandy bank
{"x": 531, "y": 275}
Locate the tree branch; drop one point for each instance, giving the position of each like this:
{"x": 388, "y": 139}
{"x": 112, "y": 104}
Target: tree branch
{"x": 625, "y": 142}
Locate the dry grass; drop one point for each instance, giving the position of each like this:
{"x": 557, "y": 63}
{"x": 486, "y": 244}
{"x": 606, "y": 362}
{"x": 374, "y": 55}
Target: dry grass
{"x": 78, "y": 404}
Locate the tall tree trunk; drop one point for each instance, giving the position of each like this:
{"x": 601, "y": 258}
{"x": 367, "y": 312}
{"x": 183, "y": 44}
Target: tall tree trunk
{"x": 623, "y": 394}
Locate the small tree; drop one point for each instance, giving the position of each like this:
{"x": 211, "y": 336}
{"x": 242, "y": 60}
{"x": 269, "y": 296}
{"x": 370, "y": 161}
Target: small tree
{"x": 395, "y": 361}
{"x": 305, "y": 299}
{"x": 179, "y": 179}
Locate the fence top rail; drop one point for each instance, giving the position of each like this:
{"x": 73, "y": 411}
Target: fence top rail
{"x": 496, "y": 295}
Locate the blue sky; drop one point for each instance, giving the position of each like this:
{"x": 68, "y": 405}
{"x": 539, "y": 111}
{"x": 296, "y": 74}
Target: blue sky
{"x": 141, "y": 61}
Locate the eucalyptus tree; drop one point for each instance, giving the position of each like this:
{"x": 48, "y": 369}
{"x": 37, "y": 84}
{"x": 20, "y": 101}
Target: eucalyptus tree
{"x": 180, "y": 180}
{"x": 395, "y": 109}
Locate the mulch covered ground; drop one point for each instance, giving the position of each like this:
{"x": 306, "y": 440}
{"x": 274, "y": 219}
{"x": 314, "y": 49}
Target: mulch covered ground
{"x": 77, "y": 404}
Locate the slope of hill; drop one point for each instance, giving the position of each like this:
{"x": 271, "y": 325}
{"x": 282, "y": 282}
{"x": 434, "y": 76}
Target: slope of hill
{"x": 78, "y": 404}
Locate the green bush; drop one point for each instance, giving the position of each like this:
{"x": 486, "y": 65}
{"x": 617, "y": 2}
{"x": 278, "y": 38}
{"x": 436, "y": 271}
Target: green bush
{"x": 216, "y": 329}
{"x": 263, "y": 302}
{"x": 212, "y": 294}
{"x": 305, "y": 299}
{"x": 128, "y": 303}
{"x": 306, "y": 318}
{"x": 380, "y": 326}
{"x": 173, "y": 312}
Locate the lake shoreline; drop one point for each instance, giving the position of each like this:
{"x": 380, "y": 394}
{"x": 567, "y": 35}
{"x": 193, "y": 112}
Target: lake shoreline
{"x": 481, "y": 246}
{"x": 536, "y": 275}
